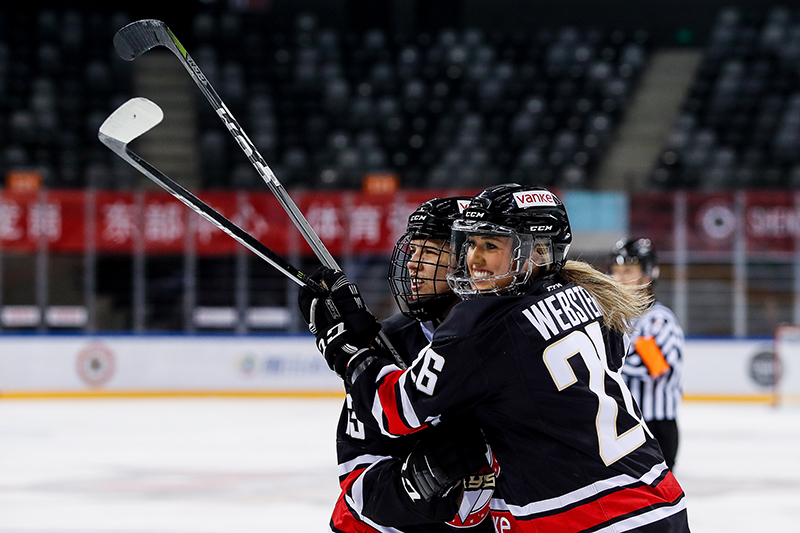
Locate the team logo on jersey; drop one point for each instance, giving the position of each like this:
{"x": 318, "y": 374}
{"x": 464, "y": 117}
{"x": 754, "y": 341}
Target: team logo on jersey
{"x": 478, "y": 491}
{"x": 534, "y": 199}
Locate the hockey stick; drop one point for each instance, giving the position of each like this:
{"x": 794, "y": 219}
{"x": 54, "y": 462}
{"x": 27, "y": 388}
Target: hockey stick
{"x": 136, "y": 117}
{"x": 138, "y": 37}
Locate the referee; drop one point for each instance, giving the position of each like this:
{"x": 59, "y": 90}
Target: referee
{"x": 653, "y": 368}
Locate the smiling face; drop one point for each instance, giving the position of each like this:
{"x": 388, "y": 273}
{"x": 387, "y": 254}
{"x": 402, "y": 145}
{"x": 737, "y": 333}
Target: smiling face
{"x": 488, "y": 258}
{"x": 427, "y": 267}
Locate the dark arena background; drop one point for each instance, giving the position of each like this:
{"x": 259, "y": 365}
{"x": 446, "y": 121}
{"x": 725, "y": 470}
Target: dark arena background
{"x": 674, "y": 120}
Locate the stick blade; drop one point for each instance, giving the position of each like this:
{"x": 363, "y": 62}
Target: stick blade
{"x": 138, "y": 37}
{"x": 130, "y": 120}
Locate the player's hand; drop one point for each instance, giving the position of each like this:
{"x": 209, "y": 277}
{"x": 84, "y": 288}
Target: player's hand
{"x": 341, "y": 322}
{"x": 308, "y": 299}
{"x": 442, "y": 458}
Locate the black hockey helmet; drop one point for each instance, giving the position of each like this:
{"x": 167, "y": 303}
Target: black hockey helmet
{"x": 419, "y": 264}
{"x": 536, "y": 221}
{"x": 636, "y": 252}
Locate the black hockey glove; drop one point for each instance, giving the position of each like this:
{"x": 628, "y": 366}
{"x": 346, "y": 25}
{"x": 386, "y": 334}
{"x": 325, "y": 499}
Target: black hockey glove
{"x": 341, "y": 322}
{"x": 442, "y": 458}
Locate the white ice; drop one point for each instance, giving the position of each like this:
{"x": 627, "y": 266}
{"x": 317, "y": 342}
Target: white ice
{"x": 268, "y": 465}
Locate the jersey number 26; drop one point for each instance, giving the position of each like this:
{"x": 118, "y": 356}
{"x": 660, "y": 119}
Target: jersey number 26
{"x": 589, "y": 346}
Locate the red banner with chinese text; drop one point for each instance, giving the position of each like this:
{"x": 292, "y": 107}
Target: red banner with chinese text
{"x": 346, "y": 222}
{"x": 349, "y": 222}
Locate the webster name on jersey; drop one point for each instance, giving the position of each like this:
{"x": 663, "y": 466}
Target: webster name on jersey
{"x": 562, "y": 311}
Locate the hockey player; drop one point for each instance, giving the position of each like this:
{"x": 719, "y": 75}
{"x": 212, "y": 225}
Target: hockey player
{"x": 653, "y": 369}
{"x": 377, "y": 493}
{"x": 537, "y": 365}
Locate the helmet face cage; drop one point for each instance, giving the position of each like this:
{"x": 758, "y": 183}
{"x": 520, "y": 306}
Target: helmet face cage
{"x": 524, "y": 252}
{"x": 417, "y": 275}
{"x": 636, "y": 252}
{"x": 419, "y": 263}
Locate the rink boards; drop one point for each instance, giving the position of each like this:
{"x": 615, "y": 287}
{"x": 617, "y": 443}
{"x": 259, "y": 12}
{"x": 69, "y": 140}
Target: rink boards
{"x": 163, "y": 365}
{"x": 150, "y": 365}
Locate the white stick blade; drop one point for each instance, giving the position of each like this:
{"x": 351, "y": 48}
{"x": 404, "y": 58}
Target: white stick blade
{"x": 132, "y": 119}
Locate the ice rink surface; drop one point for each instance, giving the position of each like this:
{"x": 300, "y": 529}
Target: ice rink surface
{"x": 268, "y": 465}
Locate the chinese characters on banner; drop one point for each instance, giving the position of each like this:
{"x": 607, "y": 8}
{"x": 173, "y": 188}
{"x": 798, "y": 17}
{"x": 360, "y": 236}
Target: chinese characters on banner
{"x": 346, "y": 222}
{"x": 355, "y": 223}
{"x": 26, "y": 219}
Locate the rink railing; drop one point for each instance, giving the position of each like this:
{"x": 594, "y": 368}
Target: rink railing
{"x": 730, "y": 260}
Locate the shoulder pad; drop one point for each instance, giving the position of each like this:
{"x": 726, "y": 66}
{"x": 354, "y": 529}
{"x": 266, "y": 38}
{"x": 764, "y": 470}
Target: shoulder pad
{"x": 659, "y": 315}
{"x": 469, "y": 316}
{"x": 397, "y": 323}
{"x": 406, "y": 336}
{"x": 661, "y": 309}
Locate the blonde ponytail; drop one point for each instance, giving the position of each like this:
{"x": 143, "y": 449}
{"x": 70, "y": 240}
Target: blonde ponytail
{"x": 620, "y": 303}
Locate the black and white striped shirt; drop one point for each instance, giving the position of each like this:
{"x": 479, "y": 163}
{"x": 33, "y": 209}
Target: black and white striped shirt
{"x": 659, "y": 397}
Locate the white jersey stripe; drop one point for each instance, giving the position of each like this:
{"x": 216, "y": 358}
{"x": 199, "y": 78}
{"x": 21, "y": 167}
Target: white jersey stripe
{"x": 408, "y": 409}
{"x": 377, "y": 409}
{"x": 565, "y": 500}
{"x": 349, "y": 466}
{"x": 356, "y": 501}
{"x": 664, "y": 335}
{"x": 645, "y": 518}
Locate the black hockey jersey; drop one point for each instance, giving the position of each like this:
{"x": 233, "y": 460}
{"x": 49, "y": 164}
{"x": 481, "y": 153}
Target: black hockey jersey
{"x": 369, "y": 466}
{"x": 540, "y": 374}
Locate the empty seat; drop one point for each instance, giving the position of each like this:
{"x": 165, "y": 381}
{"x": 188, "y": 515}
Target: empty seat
{"x": 374, "y": 159}
{"x": 22, "y": 127}
{"x": 367, "y": 140}
{"x": 99, "y": 82}
{"x": 233, "y": 85}
{"x": 362, "y": 112}
{"x": 69, "y": 172}
{"x": 214, "y": 158}
{"x": 414, "y": 95}
{"x": 244, "y": 176}
{"x": 16, "y": 157}
{"x": 72, "y": 34}
{"x": 205, "y": 29}
{"x": 336, "y": 96}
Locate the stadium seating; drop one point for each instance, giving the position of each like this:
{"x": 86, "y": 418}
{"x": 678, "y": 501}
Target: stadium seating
{"x": 59, "y": 79}
{"x": 328, "y": 106}
{"x": 740, "y": 123}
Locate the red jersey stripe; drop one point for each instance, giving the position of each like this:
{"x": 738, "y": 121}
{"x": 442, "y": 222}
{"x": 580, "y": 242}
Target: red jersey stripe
{"x": 344, "y": 520}
{"x": 387, "y": 394}
{"x": 604, "y": 509}
{"x": 347, "y": 482}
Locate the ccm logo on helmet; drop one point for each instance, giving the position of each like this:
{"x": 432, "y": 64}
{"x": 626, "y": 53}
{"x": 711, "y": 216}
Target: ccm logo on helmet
{"x": 534, "y": 199}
